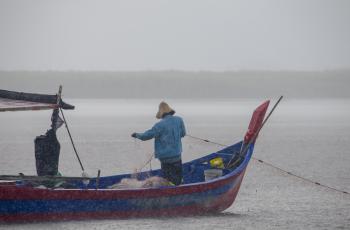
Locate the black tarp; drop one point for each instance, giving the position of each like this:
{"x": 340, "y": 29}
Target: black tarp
{"x": 47, "y": 152}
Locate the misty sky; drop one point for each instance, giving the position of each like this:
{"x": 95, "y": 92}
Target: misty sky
{"x": 174, "y": 35}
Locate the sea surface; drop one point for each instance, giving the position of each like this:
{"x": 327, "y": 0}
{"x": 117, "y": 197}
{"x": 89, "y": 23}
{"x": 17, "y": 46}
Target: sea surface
{"x": 309, "y": 137}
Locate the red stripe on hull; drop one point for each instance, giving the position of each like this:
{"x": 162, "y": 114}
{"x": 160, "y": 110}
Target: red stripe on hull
{"x": 28, "y": 193}
{"x": 227, "y": 199}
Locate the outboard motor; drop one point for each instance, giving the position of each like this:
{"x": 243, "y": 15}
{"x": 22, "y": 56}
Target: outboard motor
{"x": 47, "y": 152}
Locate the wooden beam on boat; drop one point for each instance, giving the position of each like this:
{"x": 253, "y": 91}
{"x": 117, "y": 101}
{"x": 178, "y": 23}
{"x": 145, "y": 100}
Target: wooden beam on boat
{"x": 19, "y": 101}
{"x": 17, "y": 105}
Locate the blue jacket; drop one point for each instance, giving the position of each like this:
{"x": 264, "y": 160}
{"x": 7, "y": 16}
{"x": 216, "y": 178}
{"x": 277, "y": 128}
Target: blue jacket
{"x": 167, "y": 135}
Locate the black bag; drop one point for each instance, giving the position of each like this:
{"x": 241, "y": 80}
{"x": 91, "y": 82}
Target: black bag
{"x": 47, "y": 152}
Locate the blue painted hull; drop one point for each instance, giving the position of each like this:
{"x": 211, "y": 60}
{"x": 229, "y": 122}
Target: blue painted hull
{"x": 195, "y": 196}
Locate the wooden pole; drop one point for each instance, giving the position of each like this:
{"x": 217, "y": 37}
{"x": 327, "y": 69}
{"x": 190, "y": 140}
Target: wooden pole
{"x": 71, "y": 139}
{"x": 59, "y": 95}
{"x": 98, "y": 179}
{"x": 55, "y": 111}
{"x": 244, "y": 150}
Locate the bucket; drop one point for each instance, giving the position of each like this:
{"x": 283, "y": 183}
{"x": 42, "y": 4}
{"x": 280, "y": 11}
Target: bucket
{"x": 211, "y": 174}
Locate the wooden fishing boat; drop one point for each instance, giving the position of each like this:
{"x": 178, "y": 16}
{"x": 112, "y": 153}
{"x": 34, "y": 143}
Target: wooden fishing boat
{"x": 21, "y": 201}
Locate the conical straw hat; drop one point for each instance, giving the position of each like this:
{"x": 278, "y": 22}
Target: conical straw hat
{"x": 163, "y": 109}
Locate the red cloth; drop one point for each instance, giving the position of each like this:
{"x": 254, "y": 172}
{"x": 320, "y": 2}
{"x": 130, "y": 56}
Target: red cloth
{"x": 256, "y": 121}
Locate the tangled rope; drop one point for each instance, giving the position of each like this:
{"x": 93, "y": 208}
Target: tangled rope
{"x": 278, "y": 168}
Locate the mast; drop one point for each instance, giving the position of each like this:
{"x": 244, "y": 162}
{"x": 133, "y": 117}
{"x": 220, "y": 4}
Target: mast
{"x": 55, "y": 112}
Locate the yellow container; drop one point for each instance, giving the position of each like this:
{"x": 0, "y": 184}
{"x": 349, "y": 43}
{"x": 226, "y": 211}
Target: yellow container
{"x": 217, "y": 163}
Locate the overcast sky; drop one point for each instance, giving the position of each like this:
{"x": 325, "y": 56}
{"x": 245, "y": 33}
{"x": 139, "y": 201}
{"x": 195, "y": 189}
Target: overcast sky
{"x": 194, "y": 35}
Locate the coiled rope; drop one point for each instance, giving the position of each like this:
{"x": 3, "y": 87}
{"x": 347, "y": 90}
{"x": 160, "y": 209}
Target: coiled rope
{"x": 278, "y": 168}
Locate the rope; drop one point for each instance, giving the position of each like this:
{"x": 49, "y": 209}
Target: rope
{"x": 71, "y": 139}
{"x": 278, "y": 168}
{"x": 205, "y": 140}
{"x": 300, "y": 177}
{"x": 148, "y": 162}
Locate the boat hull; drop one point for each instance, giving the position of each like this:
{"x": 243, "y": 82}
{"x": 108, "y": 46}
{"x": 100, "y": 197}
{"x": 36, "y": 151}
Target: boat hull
{"x": 26, "y": 204}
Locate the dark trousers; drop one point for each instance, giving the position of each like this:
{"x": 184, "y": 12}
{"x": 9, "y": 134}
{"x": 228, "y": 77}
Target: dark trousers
{"x": 172, "y": 172}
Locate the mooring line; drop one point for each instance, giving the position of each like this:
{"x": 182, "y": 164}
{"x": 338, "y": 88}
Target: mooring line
{"x": 205, "y": 140}
{"x": 276, "y": 167}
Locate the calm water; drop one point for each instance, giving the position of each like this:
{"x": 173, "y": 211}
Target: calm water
{"x": 308, "y": 137}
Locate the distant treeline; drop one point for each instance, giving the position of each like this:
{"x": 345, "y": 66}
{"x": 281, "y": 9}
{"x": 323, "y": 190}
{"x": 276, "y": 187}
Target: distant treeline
{"x": 178, "y": 84}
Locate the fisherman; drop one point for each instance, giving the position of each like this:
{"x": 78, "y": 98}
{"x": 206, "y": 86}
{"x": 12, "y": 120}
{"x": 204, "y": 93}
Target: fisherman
{"x": 167, "y": 135}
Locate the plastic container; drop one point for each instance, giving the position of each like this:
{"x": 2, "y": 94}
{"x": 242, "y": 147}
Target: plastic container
{"x": 211, "y": 174}
{"x": 217, "y": 163}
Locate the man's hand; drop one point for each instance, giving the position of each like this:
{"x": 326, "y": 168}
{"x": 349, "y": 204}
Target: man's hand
{"x": 133, "y": 135}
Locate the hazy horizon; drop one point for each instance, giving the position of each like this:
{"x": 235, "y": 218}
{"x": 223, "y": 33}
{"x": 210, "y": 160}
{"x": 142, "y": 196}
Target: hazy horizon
{"x": 181, "y": 84}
